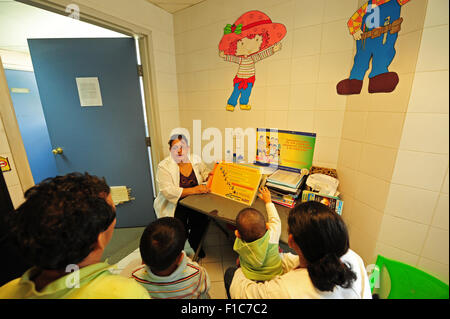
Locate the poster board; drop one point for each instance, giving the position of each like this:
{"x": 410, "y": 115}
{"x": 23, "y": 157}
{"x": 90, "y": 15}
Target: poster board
{"x": 236, "y": 182}
{"x": 286, "y": 150}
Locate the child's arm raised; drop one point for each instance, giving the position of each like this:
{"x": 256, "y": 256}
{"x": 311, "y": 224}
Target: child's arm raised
{"x": 274, "y": 221}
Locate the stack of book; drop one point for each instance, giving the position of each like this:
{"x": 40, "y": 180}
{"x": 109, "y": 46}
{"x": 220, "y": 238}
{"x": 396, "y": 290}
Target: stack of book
{"x": 286, "y": 186}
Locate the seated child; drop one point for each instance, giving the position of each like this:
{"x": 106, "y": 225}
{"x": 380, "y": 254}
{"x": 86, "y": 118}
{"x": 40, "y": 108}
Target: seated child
{"x": 257, "y": 242}
{"x": 168, "y": 272}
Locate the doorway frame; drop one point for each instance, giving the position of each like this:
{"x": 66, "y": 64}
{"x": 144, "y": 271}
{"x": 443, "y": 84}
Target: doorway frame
{"x": 98, "y": 18}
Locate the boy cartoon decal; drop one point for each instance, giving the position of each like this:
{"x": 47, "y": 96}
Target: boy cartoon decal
{"x": 375, "y": 28}
{"x": 251, "y": 38}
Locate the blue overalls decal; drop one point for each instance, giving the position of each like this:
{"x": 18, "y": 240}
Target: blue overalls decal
{"x": 375, "y": 27}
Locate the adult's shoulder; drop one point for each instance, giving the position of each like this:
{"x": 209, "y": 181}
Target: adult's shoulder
{"x": 117, "y": 286}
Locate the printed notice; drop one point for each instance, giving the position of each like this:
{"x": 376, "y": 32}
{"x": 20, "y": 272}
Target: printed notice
{"x": 89, "y": 91}
{"x": 120, "y": 194}
{"x": 236, "y": 182}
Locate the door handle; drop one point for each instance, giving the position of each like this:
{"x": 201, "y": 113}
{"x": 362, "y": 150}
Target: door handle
{"x": 57, "y": 151}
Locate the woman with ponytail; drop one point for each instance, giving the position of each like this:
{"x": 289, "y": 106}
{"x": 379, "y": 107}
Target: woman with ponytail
{"x": 323, "y": 267}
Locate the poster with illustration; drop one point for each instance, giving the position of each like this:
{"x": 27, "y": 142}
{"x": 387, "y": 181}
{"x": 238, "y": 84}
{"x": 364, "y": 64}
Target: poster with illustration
{"x": 288, "y": 150}
{"x": 251, "y": 38}
{"x": 375, "y": 27}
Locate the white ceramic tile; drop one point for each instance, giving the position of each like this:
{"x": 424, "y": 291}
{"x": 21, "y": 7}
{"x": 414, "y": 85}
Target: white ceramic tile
{"x": 278, "y": 97}
{"x": 217, "y": 290}
{"x": 336, "y": 37}
{"x": 436, "y": 245}
{"x": 305, "y": 69}
{"x": 328, "y": 99}
{"x": 349, "y": 153}
{"x": 330, "y": 70}
{"x": 440, "y": 219}
{"x": 302, "y": 121}
{"x": 425, "y": 133}
{"x": 433, "y": 54}
{"x": 214, "y": 270}
{"x": 421, "y": 170}
{"x": 384, "y": 128}
{"x": 228, "y": 254}
{"x": 303, "y": 96}
{"x": 396, "y": 254}
{"x": 434, "y": 268}
{"x": 377, "y": 161}
{"x": 354, "y": 127}
{"x": 429, "y": 93}
{"x": 372, "y": 191}
{"x": 366, "y": 219}
{"x": 336, "y": 10}
{"x": 403, "y": 234}
{"x": 276, "y": 119}
{"x": 307, "y": 41}
{"x": 348, "y": 180}
{"x": 437, "y": 13}
{"x": 279, "y": 72}
{"x": 328, "y": 123}
{"x": 411, "y": 203}
{"x": 308, "y": 12}
{"x": 326, "y": 150}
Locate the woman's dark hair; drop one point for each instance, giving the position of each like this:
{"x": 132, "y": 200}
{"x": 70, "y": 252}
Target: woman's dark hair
{"x": 178, "y": 137}
{"x": 60, "y": 220}
{"x": 162, "y": 242}
{"x": 322, "y": 236}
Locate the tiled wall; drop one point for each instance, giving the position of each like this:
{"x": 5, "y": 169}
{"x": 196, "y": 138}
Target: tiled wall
{"x": 294, "y": 89}
{"x": 393, "y": 157}
{"x": 416, "y": 224}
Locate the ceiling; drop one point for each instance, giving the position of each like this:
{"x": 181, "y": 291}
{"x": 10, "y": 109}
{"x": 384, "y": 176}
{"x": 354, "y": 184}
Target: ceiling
{"x": 173, "y": 6}
{"x": 19, "y": 22}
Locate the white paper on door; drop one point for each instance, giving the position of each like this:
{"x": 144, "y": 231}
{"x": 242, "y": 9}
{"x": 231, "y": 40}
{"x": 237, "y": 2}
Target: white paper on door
{"x": 120, "y": 194}
{"x": 89, "y": 91}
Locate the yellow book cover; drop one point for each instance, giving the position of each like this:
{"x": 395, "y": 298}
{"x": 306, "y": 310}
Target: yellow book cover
{"x": 236, "y": 182}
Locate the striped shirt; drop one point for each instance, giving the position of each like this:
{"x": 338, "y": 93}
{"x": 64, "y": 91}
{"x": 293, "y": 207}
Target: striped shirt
{"x": 247, "y": 65}
{"x": 188, "y": 281}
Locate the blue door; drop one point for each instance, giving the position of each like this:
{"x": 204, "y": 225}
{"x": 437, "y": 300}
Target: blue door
{"x": 109, "y": 140}
{"x": 28, "y": 109}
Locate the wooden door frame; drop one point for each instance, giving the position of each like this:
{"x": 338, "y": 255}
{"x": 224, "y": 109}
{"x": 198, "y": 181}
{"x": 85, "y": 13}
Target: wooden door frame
{"x": 95, "y": 17}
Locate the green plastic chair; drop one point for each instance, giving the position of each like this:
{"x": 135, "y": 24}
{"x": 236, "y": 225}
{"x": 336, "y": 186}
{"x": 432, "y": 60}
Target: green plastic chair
{"x": 401, "y": 281}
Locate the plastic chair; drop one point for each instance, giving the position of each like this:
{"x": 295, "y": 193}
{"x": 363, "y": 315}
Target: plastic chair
{"x": 401, "y": 281}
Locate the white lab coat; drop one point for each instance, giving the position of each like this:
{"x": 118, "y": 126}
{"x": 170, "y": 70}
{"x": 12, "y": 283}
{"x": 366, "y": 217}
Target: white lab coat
{"x": 168, "y": 181}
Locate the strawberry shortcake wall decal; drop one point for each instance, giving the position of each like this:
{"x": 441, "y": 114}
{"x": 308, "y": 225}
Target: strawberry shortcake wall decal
{"x": 251, "y": 38}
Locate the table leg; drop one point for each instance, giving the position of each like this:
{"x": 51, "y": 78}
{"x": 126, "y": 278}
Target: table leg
{"x": 195, "y": 258}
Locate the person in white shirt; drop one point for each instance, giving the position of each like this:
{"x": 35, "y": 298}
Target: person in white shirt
{"x": 180, "y": 175}
{"x": 324, "y": 267}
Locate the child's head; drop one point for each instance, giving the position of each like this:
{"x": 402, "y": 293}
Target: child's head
{"x": 250, "y": 224}
{"x": 162, "y": 243}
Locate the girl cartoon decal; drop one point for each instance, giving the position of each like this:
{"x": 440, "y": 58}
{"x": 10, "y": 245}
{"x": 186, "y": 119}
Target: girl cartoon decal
{"x": 251, "y": 38}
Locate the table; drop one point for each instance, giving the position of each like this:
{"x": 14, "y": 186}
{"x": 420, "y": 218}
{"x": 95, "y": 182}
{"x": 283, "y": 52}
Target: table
{"x": 220, "y": 208}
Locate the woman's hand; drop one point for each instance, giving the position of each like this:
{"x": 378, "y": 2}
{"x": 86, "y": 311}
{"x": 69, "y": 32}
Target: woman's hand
{"x": 201, "y": 189}
{"x": 264, "y": 194}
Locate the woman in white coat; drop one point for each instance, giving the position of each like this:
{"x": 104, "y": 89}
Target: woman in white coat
{"x": 178, "y": 176}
